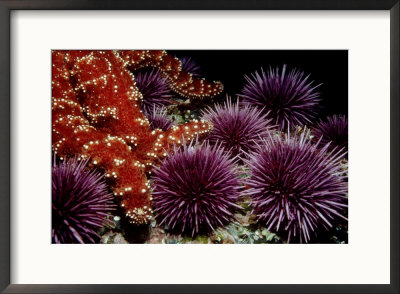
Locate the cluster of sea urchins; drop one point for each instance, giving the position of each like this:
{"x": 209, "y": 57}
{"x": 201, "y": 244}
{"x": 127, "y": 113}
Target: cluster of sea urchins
{"x": 196, "y": 189}
{"x": 81, "y": 203}
{"x": 297, "y": 185}
{"x": 290, "y": 97}
{"x": 237, "y": 128}
{"x": 297, "y": 188}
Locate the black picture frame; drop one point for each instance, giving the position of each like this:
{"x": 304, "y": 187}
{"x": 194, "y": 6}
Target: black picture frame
{"x": 5, "y": 132}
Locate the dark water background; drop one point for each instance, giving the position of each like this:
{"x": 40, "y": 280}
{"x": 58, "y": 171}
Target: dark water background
{"x": 329, "y": 67}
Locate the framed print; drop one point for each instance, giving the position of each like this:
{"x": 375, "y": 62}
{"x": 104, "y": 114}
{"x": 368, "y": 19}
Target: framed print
{"x": 203, "y": 147}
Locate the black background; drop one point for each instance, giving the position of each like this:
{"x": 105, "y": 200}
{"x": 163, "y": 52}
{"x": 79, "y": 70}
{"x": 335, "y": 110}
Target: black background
{"x": 326, "y": 67}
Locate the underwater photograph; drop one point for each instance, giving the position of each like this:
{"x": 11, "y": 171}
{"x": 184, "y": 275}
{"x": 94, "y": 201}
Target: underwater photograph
{"x": 199, "y": 146}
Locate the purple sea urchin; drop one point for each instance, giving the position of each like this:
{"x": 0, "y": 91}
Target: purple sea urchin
{"x": 154, "y": 88}
{"x": 196, "y": 189}
{"x": 80, "y": 203}
{"x": 334, "y": 129}
{"x": 159, "y": 119}
{"x": 237, "y": 128}
{"x": 190, "y": 66}
{"x": 296, "y": 187}
{"x": 290, "y": 97}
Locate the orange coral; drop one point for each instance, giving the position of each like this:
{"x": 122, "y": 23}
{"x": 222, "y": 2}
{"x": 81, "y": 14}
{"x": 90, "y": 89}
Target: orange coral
{"x": 96, "y": 115}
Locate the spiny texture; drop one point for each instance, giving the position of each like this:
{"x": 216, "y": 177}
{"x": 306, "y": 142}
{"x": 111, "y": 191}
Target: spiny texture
{"x": 159, "y": 119}
{"x": 154, "y": 89}
{"x": 296, "y": 188}
{"x": 196, "y": 189}
{"x": 96, "y": 114}
{"x": 237, "y": 128}
{"x": 290, "y": 97}
{"x": 80, "y": 203}
{"x": 190, "y": 66}
{"x": 334, "y": 129}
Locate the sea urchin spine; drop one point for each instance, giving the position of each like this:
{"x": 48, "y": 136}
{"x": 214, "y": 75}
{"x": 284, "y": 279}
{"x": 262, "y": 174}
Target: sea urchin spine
{"x": 334, "y": 129}
{"x": 296, "y": 187}
{"x": 190, "y": 66}
{"x": 290, "y": 97}
{"x": 237, "y": 128}
{"x": 196, "y": 189}
{"x": 154, "y": 88}
{"x": 80, "y": 203}
{"x": 159, "y": 119}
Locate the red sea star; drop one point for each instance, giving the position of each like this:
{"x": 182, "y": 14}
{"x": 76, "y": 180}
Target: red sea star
{"x": 96, "y": 115}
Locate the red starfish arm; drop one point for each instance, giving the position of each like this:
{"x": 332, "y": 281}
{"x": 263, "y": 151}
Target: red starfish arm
{"x": 96, "y": 115}
{"x": 110, "y": 101}
{"x": 73, "y": 135}
{"x": 181, "y": 82}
